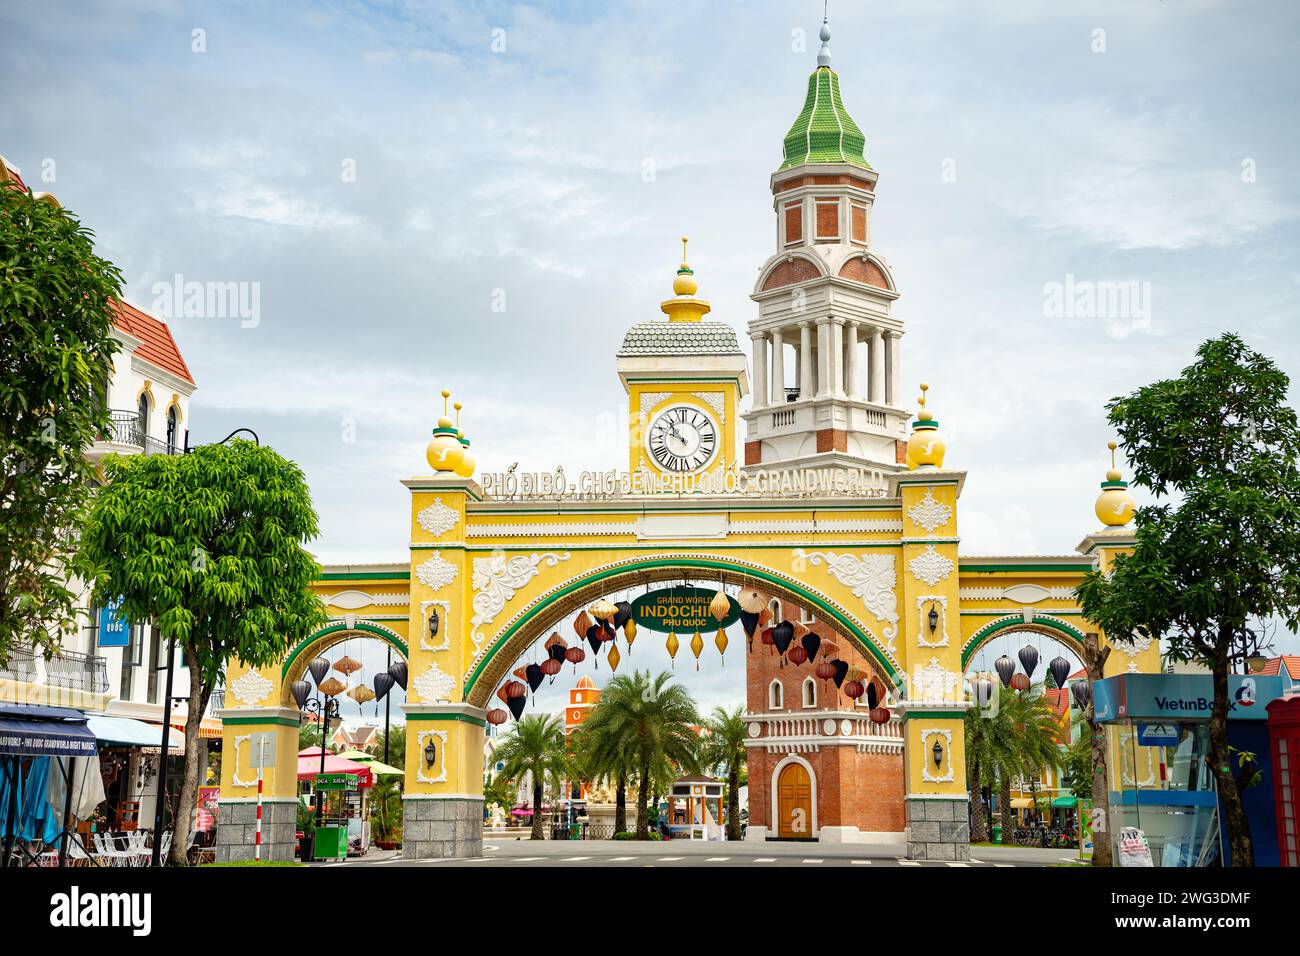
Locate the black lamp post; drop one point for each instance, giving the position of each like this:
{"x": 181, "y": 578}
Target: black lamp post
{"x": 325, "y": 708}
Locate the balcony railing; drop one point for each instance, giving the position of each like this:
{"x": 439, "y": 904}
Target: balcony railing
{"x": 217, "y": 700}
{"x": 127, "y": 428}
{"x": 21, "y": 666}
{"x": 77, "y": 671}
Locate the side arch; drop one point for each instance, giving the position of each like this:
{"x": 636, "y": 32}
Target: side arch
{"x": 295, "y": 664}
{"x": 1052, "y": 627}
{"x": 493, "y": 661}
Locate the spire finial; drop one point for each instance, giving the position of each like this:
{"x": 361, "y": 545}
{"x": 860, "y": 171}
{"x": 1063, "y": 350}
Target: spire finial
{"x": 684, "y": 241}
{"x": 824, "y": 54}
{"x": 458, "y": 407}
{"x": 446, "y": 394}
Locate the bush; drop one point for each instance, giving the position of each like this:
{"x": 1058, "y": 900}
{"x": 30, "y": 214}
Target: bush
{"x": 629, "y": 835}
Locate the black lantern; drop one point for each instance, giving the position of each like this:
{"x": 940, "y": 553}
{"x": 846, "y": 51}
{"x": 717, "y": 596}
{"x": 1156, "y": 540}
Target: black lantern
{"x": 430, "y": 754}
{"x": 938, "y": 754}
{"x": 319, "y": 668}
{"x": 301, "y": 691}
{"x": 934, "y": 618}
{"x": 433, "y": 623}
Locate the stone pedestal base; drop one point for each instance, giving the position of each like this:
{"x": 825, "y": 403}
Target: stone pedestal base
{"x": 237, "y": 830}
{"x": 755, "y": 834}
{"x": 938, "y": 828}
{"x": 441, "y": 827}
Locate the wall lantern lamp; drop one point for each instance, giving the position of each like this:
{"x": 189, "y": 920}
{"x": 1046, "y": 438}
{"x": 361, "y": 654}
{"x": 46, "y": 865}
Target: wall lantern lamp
{"x": 433, "y": 623}
{"x": 430, "y": 754}
{"x": 938, "y": 754}
{"x": 933, "y": 618}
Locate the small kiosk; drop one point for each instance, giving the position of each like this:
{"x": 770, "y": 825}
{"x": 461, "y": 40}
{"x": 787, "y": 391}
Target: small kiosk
{"x": 695, "y": 809}
{"x": 1162, "y": 794}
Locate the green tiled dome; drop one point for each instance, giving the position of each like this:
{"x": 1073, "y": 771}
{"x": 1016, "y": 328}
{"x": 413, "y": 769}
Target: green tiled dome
{"x": 824, "y": 132}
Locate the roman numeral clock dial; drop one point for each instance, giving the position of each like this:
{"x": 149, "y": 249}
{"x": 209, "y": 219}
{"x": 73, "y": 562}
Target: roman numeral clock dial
{"x": 682, "y": 439}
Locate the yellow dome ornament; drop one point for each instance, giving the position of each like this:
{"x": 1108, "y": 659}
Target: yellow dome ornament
{"x": 926, "y": 447}
{"x": 684, "y": 306}
{"x": 444, "y": 451}
{"x": 1115, "y": 506}
{"x": 466, "y": 467}
{"x": 685, "y": 283}
{"x": 672, "y": 644}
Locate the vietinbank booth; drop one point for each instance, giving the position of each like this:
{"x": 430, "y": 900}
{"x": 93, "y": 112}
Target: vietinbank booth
{"x": 1158, "y": 745}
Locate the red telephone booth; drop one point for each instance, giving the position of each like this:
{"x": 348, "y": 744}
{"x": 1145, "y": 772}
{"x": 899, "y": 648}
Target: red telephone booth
{"x": 1284, "y": 736}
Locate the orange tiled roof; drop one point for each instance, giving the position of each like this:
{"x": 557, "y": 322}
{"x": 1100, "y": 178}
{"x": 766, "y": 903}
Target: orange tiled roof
{"x": 1274, "y": 665}
{"x": 156, "y": 342}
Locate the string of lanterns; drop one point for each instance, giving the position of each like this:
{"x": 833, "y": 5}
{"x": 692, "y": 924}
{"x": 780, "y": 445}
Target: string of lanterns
{"x": 347, "y": 666}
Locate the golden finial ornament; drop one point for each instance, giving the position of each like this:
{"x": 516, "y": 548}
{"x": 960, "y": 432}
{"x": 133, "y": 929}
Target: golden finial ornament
{"x": 925, "y": 447}
{"x": 445, "y": 452}
{"x": 1115, "y": 506}
{"x": 685, "y": 284}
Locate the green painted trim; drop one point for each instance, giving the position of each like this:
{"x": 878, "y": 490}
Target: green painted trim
{"x": 441, "y": 716}
{"x": 801, "y": 543}
{"x": 1004, "y": 612}
{"x": 1038, "y": 568}
{"x": 986, "y": 633}
{"x": 356, "y": 576}
{"x": 931, "y": 714}
{"x": 282, "y": 721}
{"x": 879, "y": 504}
{"x": 334, "y": 628}
{"x": 704, "y": 563}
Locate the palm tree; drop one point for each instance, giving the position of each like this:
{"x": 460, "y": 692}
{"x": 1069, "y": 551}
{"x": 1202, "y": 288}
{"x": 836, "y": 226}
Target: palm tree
{"x": 535, "y": 746}
{"x": 599, "y": 755}
{"x": 651, "y": 722}
{"x": 1019, "y": 740}
{"x": 724, "y": 751}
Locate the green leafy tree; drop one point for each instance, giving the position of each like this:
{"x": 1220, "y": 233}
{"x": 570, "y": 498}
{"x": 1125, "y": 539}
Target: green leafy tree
{"x": 1223, "y": 554}
{"x": 56, "y": 318}
{"x": 396, "y": 746}
{"x": 653, "y": 721}
{"x": 723, "y": 750}
{"x": 602, "y": 756}
{"x": 499, "y": 791}
{"x": 386, "y": 807}
{"x": 208, "y": 546}
{"x": 1077, "y": 766}
{"x": 535, "y": 746}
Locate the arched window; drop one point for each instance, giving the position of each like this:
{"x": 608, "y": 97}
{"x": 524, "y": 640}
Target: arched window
{"x": 775, "y": 695}
{"x": 171, "y": 430}
{"x": 809, "y": 692}
{"x": 144, "y": 416}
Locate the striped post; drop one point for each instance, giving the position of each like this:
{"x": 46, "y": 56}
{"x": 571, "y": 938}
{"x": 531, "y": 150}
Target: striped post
{"x": 261, "y": 759}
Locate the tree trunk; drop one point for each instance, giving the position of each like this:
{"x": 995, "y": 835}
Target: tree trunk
{"x": 1004, "y": 805}
{"x": 1094, "y": 662}
{"x": 538, "y": 833}
{"x": 620, "y": 803}
{"x": 187, "y": 799}
{"x": 733, "y": 802}
{"x": 1234, "y": 813}
{"x": 642, "y": 799}
{"x": 988, "y": 813}
{"x": 978, "y": 832}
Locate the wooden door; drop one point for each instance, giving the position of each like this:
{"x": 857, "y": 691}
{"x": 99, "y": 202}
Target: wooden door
{"x": 794, "y": 803}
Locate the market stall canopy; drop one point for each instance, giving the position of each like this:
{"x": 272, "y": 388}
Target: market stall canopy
{"x": 45, "y": 731}
{"x": 377, "y": 766}
{"x": 1022, "y": 803}
{"x": 1069, "y": 801}
{"x": 309, "y": 766}
{"x": 129, "y": 732}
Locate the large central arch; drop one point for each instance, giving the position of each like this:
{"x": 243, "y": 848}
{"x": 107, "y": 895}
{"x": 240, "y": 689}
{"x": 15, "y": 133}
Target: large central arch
{"x": 531, "y": 622}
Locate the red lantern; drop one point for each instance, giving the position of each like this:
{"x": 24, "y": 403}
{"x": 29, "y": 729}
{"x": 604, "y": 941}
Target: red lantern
{"x": 766, "y": 637}
{"x": 501, "y": 693}
{"x": 854, "y": 688}
{"x": 1020, "y": 682}
{"x": 516, "y": 689}
{"x": 550, "y": 667}
{"x": 796, "y": 655}
{"x": 825, "y": 670}
{"x": 879, "y": 715}
{"x": 496, "y": 716}
{"x": 575, "y": 656}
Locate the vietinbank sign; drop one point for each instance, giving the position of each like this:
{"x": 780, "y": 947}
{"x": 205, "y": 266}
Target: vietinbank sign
{"x": 1182, "y": 696}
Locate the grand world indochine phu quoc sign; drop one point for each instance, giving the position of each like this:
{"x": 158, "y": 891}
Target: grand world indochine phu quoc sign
{"x": 681, "y": 609}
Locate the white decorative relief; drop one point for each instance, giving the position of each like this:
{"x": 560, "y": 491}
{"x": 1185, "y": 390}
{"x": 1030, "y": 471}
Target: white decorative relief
{"x": 251, "y": 688}
{"x": 434, "y": 685}
{"x": 355, "y": 600}
{"x": 929, "y": 513}
{"x": 436, "y": 572}
{"x": 871, "y": 577}
{"x": 497, "y": 578}
{"x": 935, "y": 684}
{"x": 437, "y": 518}
{"x": 713, "y": 399}
{"x": 442, "y": 756}
{"x": 445, "y": 611}
{"x": 553, "y": 530}
{"x": 235, "y": 778}
{"x": 868, "y": 525}
{"x": 923, "y": 636}
{"x": 927, "y": 759}
{"x": 930, "y": 566}
{"x": 1019, "y": 593}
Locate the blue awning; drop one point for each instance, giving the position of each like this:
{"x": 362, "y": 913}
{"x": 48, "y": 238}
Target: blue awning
{"x": 45, "y": 731}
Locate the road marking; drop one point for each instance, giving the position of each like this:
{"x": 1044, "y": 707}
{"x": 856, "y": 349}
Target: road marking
{"x": 956, "y": 863}
{"x": 764, "y": 859}
{"x": 668, "y": 859}
{"x": 1004, "y": 864}
{"x": 574, "y": 859}
{"x": 1069, "y": 859}
{"x": 525, "y": 859}
{"x": 909, "y": 863}
{"x": 486, "y": 847}
{"x": 814, "y": 861}
{"x": 717, "y": 859}
{"x": 621, "y": 859}
{"x": 973, "y": 860}
{"x": 860, "y": 862}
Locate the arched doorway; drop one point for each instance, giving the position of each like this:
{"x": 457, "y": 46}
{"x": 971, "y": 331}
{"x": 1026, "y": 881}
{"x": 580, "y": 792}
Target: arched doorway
{"x": 794, "y": 796}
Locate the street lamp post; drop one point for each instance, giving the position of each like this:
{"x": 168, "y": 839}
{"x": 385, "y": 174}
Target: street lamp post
{"x": 327, "y": 709}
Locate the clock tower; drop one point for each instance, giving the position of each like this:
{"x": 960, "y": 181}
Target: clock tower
{"x": 684, "y": 377}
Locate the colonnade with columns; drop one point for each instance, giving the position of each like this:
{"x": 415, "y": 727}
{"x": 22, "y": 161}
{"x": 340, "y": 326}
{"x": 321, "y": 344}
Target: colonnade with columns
{"x": 828, "y": 362}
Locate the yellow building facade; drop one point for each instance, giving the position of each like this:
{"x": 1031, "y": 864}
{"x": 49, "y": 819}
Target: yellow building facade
{"x": 833, "y": 498}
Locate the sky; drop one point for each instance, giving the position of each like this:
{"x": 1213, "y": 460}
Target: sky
{"x": 483, "y": 197}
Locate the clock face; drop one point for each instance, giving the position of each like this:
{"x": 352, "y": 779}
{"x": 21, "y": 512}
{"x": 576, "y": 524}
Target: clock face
{"x": 682, "y": 439}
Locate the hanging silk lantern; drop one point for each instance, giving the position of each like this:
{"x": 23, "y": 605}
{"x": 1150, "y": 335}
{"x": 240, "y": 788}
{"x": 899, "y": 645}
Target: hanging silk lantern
{"x": 503, "y": 692}
{"x": 496, "y": 716}
{"x": 697, "y": 647}
{"x": 825, "y": 670}
{"x": 984, "y": 691}
{"x": 319, "y": 667}
{"x": 766, "y": 637}
{"x": 1020, "y": 682}
{"x": 811, "y": 643}
{"x": 672, "y": 644}
{"x": 782, "y": 635}
{"x": 383, "y": 684}
{"x": 1005, "y": 667}
{"x": 347, "y": 666}
{"x": 752, "y": 601}
{"x": 720, "y": 642}
{"x": 553, "y": 640}
{"x": 602, "y": 610}
{"x": 534, "y": 676}
{"x": 1082, "y": 693}
{"x": 361, "y": 694}
{"x": 516, "y": 705}
{"x": 332, "y": 687}
{"x": 800, "y": 629}
{"x": 857, "y": 673}
{"x": 550, "y": 667}
{"x": 749, "y": 624}
{"x": 301, "y": 690}
{"x": 624, "y": 613}
{"x": 879, "y": 715}
{"x": 829, "y": 649}
{"x": 796, "y": 655}
{"x": 593, "y": 637}
{"x": 607, "y": 632}
{"x": 854, "y": 689}
{"x": 614, "y": 657}
{"x": 1028, "y": 658}
{"x": 629, "y": 634}
{"x": 582, "y": 624}
{"x": 557, "y": 652}
{"x": 720, "y": 606}
{"x": 575, "y": 656}
{"x": 1060, "y": 669}
{"x": 841, "y": 671}
{"x": 398, "y": 671}
{"x": 873, "y": 694}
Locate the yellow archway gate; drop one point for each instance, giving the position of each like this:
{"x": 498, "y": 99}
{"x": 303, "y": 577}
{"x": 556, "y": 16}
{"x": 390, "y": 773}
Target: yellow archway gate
{"x": 501, "y": 570}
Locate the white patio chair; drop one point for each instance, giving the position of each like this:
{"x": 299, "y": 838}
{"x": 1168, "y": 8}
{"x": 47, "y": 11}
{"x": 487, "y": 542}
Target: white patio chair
{"x": 106, "y": 848}
{"x": 137, "y": 847}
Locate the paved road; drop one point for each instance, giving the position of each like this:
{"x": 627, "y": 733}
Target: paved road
{"x": 527, "y": 853}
